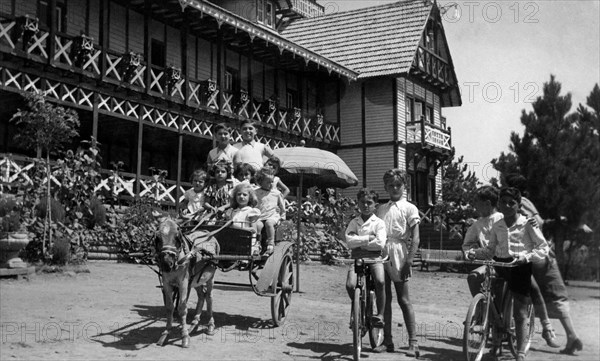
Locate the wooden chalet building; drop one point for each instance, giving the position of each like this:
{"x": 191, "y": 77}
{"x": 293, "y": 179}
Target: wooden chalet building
{"x": 150, "y": 79}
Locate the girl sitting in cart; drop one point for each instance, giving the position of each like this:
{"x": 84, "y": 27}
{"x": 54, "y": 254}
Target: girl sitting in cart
{"x": 243, "y": 213}
{"x": 194, "y": 198}
{"x": 271, "y": 205}
{"x": 218, "y": 193}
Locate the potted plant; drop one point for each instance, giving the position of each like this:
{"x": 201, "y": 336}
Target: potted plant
{"x": 13, "y": 237}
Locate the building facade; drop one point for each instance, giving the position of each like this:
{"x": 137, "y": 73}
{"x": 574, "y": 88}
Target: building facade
{"x": 150, "y": 79}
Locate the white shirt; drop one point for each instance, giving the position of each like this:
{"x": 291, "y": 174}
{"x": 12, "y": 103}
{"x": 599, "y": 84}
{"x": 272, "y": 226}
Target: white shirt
{"x": 195, "y": 200}
{"x": 218, "y": 154}
{"x": 363, "y": 230}
{"x": 520, "y": 239}
{"x": 399, "y": 217}
{"x": 252, "y": 153}
{"x": 478, "y": 235}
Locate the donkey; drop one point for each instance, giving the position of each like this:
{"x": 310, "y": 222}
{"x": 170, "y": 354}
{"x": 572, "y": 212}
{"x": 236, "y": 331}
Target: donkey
{"x": 179, "y": 271}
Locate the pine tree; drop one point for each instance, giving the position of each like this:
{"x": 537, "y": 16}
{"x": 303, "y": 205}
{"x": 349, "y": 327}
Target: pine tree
{"x": 559, "y": 155}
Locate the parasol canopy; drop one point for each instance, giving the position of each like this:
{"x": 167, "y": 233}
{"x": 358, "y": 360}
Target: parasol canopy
{"x": 309, "y": 167}
{"x": 318, "y": 168}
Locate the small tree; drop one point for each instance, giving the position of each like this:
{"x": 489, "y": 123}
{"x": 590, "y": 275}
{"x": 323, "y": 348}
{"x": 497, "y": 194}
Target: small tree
{"x": 45, "y": 128}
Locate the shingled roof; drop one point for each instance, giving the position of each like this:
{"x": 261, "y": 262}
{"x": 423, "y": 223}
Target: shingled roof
{"x": 375, "y": 41}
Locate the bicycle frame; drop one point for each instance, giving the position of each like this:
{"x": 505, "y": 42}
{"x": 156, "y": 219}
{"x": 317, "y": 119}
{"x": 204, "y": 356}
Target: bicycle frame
{"x": 493, "y": 314}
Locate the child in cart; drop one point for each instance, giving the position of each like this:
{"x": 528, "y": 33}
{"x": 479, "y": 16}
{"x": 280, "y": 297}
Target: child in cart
{"x": 218, "y": 193}
{"x": 271, "y": 205}
{"x": 243, "y": 212}
{"x": 367, "y": 232}
{"x": 194, "y": 201}
{"x": 274, "y": 163}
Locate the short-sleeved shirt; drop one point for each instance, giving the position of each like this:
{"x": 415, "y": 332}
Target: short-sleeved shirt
{"x": 252, "y": 153}
{"x": 218, "y": 154}
{"x": 478, "y": 235}
{"x": 268, "y": 203}
{"x": 359, "y": 231}
{"x": 520, "y": 239}
{"x": 399, "y": 217}
{"x": 195, "y": 200}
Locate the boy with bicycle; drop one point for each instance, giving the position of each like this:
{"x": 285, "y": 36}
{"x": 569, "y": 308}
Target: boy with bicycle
{"x": 513, "y": 239}
{"x": 401, "y": 220}
{"x": 367, "y": 233}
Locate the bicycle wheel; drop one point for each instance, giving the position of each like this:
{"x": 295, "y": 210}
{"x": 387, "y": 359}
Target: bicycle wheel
{"x": 356, "y": 325}
{"x": 375, "y": 333}
{"x": 509, "y": 324}
{"x": 476, "y": 329}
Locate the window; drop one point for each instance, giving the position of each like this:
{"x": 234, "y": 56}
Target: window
{"x": 157, "y": 53}
{"x": 232, "y": 80}
{"x": 431, "y": 191}
{"x": 269, "y": 14}
{"x": 409, "y": 106}
{"x": 44, "y": 14}
{"x": 260, "y": 11}
{"x": 418, "y": 111}
{"x": 429, "y": 114}
{"x": 291, "y": 99}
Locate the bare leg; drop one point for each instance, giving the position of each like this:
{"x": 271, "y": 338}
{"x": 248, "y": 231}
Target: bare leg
{"x": 409, "y": 317}
{"x": 542, "y": 313}
{"x": 270, "y": 226}
{"x": 209, "y": 307}
{"x": 378, "y": 274}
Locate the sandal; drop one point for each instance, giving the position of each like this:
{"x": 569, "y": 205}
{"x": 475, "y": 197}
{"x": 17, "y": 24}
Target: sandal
{"x": 413, "y": 350}
{"x": 384, "y": 348}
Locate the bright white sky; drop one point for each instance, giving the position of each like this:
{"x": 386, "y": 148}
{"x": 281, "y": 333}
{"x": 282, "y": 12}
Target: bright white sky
{"x": 503, "y": 52}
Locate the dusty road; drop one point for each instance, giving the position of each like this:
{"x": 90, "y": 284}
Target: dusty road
{"x": 115, "y": 312}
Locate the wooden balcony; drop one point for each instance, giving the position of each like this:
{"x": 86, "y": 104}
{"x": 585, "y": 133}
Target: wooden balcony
{"x": 429, "y": 136}
{"x": 432, "y": 68}
{"x": 21, "y": 38}
{"x": 301, "y": 8}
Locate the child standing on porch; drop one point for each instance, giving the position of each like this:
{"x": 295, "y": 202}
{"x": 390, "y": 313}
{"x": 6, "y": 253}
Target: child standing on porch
{"x": 401, "y": 220}
{"x": 249, "y": 150}
{"x": 224, "y": 151}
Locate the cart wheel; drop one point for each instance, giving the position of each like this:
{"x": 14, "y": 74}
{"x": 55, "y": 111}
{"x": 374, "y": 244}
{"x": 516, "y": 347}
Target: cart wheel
{"x": 356, "y": 325}
{"x": 283, "y": 297}
{"x": 476, "y": 329}
{"x": 375, "y": 333}
{"x": 509, "y": 324}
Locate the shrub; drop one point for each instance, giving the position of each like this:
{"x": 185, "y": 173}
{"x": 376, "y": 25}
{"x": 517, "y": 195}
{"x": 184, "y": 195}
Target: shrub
{"x": 61, "y": 249}
{"x": 57, "y": 210}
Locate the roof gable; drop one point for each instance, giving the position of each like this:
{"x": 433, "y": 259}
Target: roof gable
{"x": 375, "y": 41}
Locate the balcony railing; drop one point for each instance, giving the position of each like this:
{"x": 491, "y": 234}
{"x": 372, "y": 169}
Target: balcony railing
{"x": 79, "y": 54}
{"x": 427, "y": 134}
{"x": 431, "y": 64}
{"x": 307, "y": 8}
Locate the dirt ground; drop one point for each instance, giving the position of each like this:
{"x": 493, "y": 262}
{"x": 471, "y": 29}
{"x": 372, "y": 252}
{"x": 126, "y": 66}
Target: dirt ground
{"x": 115, "y": 312}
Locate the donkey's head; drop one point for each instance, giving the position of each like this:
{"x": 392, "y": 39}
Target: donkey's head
{"x": 168, "y": 244}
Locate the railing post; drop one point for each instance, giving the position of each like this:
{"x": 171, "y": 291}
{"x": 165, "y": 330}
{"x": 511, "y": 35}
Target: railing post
{"x": 422, "y": 130}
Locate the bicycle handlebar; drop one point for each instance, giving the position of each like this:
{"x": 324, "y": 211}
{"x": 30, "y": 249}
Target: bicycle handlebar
{"x": 365, "y": 261}
{"x": 490, "y": 262}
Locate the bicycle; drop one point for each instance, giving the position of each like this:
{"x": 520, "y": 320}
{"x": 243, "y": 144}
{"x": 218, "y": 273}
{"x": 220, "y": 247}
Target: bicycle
{"x": 364, "y": 302}
{"x": 486, "y": 316}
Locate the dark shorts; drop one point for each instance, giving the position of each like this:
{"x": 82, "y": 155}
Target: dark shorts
{"x": 518, "y": 278}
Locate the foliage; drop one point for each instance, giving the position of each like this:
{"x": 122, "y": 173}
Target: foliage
{"x": 10, "y": 214}
{"x": 48, "y": 128}
{"x": 458, "y": 187}
{"x": 44, "y": 125}
{"x": 324, "y": 217}
{"x": 558, "y": 156}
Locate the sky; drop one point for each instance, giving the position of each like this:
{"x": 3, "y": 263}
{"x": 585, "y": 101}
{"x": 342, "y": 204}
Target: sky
{"x": 503, "y": 52}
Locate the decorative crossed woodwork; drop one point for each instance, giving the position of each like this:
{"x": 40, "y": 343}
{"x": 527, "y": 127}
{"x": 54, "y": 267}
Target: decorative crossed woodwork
{"x": 155, "y": 80}
{"x": 270, "y": 110}
{"x": 296, "y": 119}
{"x": 256, "y": 111}
{"x": 427, "y": 134}
{"x": 210, "y": 92}
{"x": 241, "y": 107}
{"x": 282, "y": 115}
{"x": 227, "y": 100}
{"x": 81, "y": 50}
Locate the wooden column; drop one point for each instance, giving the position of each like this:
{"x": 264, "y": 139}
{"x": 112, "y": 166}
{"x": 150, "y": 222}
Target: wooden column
{"x": 103, "y": 34}
{"x": 363, "y": 122}
{"x": 220, "y": 66}
{"x": 138, "y": 168}
{"x": 395, "y": 120}
{"x": 147, "y": 42}
{"x": 53, "y": 29}
{"x": 95, "y": 116}
{"x": 250, "y": 79}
